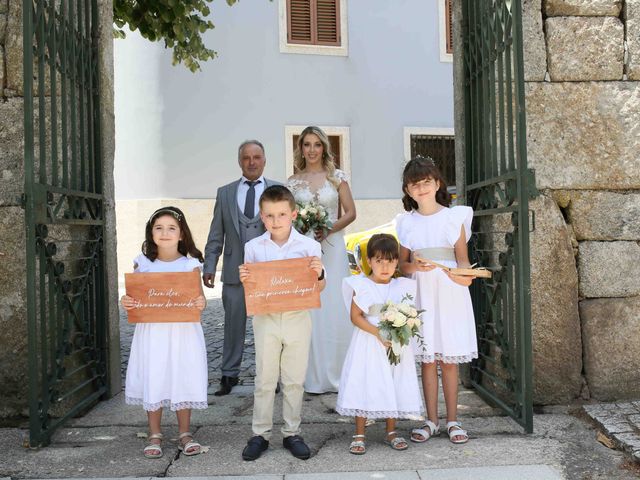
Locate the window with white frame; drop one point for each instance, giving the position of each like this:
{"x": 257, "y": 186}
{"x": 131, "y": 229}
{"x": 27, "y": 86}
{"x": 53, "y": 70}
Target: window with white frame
{"x": 445, "y": 24}
{"x": 316, "y": 27}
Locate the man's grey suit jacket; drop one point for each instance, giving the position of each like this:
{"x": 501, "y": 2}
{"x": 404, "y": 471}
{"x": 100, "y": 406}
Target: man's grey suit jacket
{"x": 224, "y": 233}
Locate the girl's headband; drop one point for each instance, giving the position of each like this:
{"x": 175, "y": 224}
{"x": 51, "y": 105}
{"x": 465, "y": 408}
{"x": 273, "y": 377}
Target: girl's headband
{"x": 164, "y": 211}
{"x": 428, "y": 160}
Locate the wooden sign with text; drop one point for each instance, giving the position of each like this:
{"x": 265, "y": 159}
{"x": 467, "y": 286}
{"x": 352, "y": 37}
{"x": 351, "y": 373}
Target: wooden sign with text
{"x": 163, "y": 296}
{"x": 281, "y": 286}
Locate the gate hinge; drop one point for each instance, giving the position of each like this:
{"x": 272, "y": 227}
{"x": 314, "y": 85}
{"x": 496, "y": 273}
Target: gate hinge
{"x": 23, "y": 200}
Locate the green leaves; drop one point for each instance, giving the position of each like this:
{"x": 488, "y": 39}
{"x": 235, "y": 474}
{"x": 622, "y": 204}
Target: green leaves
{"x": 180, "y": 23}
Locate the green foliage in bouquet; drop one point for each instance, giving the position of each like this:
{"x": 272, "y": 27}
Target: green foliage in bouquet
{"x": 399, "y": 323}
{"x": 312, "y": 216}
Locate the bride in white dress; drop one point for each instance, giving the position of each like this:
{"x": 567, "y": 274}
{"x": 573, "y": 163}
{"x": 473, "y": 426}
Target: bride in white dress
{"x": 317, "y": 178}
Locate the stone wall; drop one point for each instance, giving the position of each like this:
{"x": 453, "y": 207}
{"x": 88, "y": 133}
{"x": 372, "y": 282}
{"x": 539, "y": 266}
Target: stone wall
{"x": 13, "y": 328}
{"x": 13, "y": 317}
{"x": 583, "y": 121}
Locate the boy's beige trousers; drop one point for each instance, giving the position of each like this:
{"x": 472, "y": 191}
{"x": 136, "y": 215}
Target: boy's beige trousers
{"x": 282, "y": 350}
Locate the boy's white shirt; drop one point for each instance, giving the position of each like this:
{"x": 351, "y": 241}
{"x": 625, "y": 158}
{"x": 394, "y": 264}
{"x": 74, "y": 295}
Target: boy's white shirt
{"x": 263, "y": 249}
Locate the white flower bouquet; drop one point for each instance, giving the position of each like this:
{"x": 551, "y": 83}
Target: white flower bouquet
{"x": 399, "y": 323}
{"x": 311, "y": 217}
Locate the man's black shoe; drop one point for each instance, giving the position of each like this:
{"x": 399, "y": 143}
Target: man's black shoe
{"x": 277, "y": 387}
{"x": 226, "y": 384}
{"x": 295, "y": 444}
{"x": 255, "y": 446}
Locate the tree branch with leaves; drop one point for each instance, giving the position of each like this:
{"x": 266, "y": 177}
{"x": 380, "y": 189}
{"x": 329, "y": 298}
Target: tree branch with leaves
{"x": 180, "y": 23}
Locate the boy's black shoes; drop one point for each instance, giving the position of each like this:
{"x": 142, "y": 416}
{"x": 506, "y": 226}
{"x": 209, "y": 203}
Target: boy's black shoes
{"x": 255, "y": 446}
{"x": 226, "y": 384}
{"x": 295, "y": 444}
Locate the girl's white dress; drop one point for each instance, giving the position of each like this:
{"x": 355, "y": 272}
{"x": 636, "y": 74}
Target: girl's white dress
{"x": 448, "y": 325}
{"x": 370, "y": 386}
{"x": 168, "y": 361}
{"x": 331, "y": 330}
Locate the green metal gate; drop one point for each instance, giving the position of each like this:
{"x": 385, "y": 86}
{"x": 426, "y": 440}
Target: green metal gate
{"x": 64, "y": 209}
{"x": 498, "y": 187}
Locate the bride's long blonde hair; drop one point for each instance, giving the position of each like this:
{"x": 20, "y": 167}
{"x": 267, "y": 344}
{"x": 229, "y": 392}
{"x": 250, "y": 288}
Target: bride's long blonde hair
{"x": 300, "y": 163}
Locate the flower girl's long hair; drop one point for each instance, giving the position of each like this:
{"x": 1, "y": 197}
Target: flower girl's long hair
{"x": 421, "y": 168}
{"x": 300, "y": 163}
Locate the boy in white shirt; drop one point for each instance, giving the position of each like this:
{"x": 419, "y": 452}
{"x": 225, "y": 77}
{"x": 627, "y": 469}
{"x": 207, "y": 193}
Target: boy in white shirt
{"x": 281, "y": 339}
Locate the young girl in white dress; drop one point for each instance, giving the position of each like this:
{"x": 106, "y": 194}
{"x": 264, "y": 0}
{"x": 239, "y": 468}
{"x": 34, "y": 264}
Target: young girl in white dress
{"x": 432, "y": 231}
{"x": 168, "y": 361}
{"x": 317, "y": 179}
{"x": 370, "y": 387}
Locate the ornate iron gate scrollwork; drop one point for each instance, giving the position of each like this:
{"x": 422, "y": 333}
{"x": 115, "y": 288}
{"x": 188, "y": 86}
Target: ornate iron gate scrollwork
{"x": 64, "y": 213}
{"x": 498, "y": 187}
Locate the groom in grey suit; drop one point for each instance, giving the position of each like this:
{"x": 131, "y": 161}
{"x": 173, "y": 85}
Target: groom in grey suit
{"x": 236, "y": 220}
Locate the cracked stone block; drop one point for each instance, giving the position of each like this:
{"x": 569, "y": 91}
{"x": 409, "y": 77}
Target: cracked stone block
{"x": 607, "y": 269}
{"x": 557, "y": 347}
{"x": 610, "y": 332}
{"x": 584, "y": 135}
{"x": 554, "y": 8}
{"x": 13, "y": 314}
{"x": 11, "y": 152}
{"x": 635, "y": 420}
{"x": 630, "y": 441}
{"x": 618, "y": 426}
{"x": 627, "y": 408}
{"x": 632, "y": 24}
{"x": 3, "y": 30}
{"x": 535, "y": 49}
{"x": 596, "y": 215}
{"x": 585, "y": 48}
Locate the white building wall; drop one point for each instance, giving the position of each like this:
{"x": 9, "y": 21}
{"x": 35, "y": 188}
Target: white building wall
{"x": 177, "y": 132}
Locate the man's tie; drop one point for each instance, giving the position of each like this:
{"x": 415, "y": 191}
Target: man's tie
{"x": 250, "y": 202}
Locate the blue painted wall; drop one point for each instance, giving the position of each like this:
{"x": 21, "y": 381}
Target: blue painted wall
{"x": 177, "y": 133}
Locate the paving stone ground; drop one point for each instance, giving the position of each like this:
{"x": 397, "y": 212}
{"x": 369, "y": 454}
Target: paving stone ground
{"x": 621, "y": 422}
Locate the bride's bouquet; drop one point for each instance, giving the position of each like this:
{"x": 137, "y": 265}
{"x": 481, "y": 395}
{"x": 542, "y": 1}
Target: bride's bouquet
{"x": 311, "y": 217}
{"x": 399, "y": 323}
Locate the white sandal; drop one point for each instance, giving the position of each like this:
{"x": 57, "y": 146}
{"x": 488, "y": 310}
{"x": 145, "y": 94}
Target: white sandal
{"x": 192, "y": 445}
{"x": 394, "y": 442}
{"x": 153, "y": 446}
{"x": 358, "y": 444}
{"x": 454, "y": 429}
{"x": 426, "y": 435}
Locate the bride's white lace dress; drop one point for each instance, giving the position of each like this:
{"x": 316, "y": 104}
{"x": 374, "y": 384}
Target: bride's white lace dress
{"x": 332, "y": 328}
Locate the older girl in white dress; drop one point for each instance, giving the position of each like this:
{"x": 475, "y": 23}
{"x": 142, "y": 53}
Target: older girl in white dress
{"x": 370, "y": 387}
{"x": 317, "y": 179}
{"x": 168, "y": 361}
{"x": 431, "y": 231}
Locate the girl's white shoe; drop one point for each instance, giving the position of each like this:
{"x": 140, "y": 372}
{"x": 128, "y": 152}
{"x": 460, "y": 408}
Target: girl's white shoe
{"x": 191, "y": 447}
{"x": 454, "y": 429}
{"x": 433, "y": 429}
{"x": 153, "y": 450}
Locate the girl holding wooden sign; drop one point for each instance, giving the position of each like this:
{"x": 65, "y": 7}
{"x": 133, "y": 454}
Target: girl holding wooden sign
{"x": 432, "y": 232}
{"x": 168, "y": 361}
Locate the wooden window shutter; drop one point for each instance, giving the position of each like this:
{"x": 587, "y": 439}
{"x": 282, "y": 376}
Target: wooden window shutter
{"x": 449, "y": 24}
{"x": 299, "y": 21}
{"x": 313, "y": 22}
{"x": 328, "y": 22}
